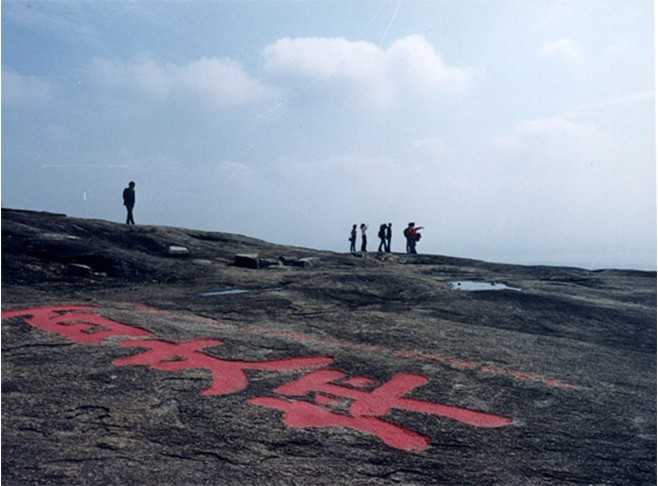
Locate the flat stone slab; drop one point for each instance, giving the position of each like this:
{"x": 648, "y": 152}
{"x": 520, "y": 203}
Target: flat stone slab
{"x": 175, "y": 250}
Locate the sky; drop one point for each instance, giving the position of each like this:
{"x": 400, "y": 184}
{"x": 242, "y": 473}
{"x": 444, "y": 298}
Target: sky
{"x": 513, "y": 131}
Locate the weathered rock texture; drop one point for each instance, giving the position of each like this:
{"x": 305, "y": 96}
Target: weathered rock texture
{"x": 566, "y": 364}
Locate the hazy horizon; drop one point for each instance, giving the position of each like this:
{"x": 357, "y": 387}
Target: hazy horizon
{"x": 513, "y": 131}
{"x": 397, "y": 247}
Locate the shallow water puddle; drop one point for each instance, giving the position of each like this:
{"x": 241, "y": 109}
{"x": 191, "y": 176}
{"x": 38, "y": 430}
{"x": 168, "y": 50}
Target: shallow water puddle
{"x": 212, "y": 293}
{"x": 475, "y": 286}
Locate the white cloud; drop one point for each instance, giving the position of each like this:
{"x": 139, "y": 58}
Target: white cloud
{"x": 376, "y": 74}
{"x": 223, "y": 81}
{"x": 557, "y": 144}
{"x": 24, "y": 90}
{"x": 416, "y": 60}
{"x": 314, "y": 56}
{"x": 333, "y": 64}
{"x": 563, "y": 50}
{"x": 219, "y": 82}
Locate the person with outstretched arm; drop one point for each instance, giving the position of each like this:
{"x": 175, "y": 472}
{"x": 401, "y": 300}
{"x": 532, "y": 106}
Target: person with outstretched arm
{"x": 413, "y": 236}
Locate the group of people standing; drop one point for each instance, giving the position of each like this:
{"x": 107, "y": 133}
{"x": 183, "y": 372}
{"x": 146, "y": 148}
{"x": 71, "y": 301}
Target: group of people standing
{"x": 411, "y": 234}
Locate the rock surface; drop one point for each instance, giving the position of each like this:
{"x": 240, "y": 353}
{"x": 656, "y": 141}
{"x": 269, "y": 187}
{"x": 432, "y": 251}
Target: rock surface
{"x": 324, "y": 369}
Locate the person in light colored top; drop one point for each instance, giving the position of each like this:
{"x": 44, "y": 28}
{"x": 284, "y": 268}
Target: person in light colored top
{"x": 364, "y": 238}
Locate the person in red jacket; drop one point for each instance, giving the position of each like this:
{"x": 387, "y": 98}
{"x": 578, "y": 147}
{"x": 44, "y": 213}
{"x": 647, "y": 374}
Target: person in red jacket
{"x": 413, "y": 236}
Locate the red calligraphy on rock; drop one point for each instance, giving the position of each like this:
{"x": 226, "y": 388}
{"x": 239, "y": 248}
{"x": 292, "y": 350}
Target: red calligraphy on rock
{"x": 228, "y": 376}
{"x": 76, "y": 322}
{"x": 367, "y": 407}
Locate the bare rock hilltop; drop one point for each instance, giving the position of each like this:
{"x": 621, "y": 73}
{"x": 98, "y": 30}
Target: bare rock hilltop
{"x": 166, "y": 356}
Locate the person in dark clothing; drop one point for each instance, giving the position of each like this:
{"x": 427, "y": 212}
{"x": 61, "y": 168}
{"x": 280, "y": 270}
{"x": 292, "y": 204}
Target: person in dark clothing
{"x": 382, "y": 238}
{"x": 364, "y": 239}
{"x": 353, "y": 239}
{"x": 406, "y": 237}
{"x": 389, "y": 235}
{"x": 129, "y": 201}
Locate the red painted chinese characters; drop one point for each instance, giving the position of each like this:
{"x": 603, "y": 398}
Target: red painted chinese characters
{"x": 81, "y": 327}
{"x": 332, "y": 394}
{"x": 228, "y": 376}
{"x": 367, "y": 408}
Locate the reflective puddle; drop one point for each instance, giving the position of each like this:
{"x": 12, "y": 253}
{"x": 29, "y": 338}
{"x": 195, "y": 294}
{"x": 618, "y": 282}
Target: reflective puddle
{"x": 475, "y": 286}
{"x": 212, "y": 293}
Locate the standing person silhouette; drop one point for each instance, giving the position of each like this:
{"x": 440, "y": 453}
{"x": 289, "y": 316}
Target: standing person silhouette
{"x": 413, "y": 237}
{"x": 353, "y": 239}
{"x": 364, "y": 239}
{"x": 382, "y": 238}
{"x": 129, "y": 201}
{"x": 389, "y": 235}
